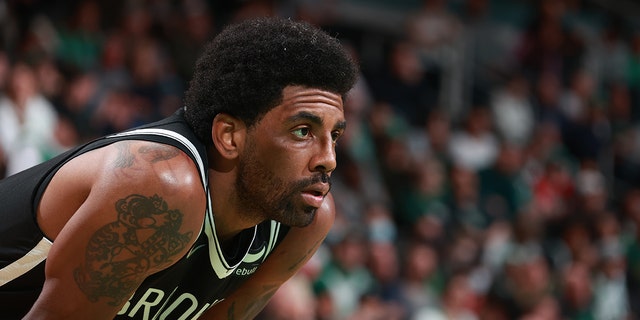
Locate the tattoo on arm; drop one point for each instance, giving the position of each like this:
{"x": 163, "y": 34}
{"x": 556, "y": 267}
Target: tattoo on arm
{"x": 231, "y": 313}
{"x": 254, "y": 306}
{"x": 146, "y": 235}
{"x": 311, "y": 251}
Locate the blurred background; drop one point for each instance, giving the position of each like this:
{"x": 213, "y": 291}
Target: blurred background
{"x": 491, "y": 166}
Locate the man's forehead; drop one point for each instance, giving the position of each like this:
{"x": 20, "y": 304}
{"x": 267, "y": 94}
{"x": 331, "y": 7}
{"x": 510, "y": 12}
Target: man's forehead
{"x": 308, "y": 93}
{"x": 323, "y": 104}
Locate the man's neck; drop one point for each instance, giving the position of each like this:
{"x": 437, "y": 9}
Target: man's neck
{"x": 229, "y": 217}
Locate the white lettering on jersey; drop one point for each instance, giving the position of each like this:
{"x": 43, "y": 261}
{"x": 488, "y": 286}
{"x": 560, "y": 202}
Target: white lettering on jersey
{"x": 147, "y": 304}
{"x": 204, "y": 308}
{"x": 245, "y": 272}
{"x": 185, "y": 297}
{"x": 153, "y": 298}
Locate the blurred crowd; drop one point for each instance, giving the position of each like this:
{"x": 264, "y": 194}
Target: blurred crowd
{"x": 491, "y": 165}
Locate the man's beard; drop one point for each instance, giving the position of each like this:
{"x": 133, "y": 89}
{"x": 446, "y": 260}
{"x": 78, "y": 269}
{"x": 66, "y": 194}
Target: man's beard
{"x": 263, "y": 194}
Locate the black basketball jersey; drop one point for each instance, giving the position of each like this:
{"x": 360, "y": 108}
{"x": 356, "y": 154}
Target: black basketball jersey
{"x": 203, "y": 277}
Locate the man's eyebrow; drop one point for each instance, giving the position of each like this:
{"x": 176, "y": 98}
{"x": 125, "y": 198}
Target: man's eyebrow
{"x": 304, "y": 115}
{"x": 315, "y": 119}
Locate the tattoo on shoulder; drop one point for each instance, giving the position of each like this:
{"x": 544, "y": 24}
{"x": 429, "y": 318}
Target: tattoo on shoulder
{"x": 149, "y": 152}
{"x": 125, "y": 158}
{"x": 145, "y": 235}
{"x": 158, "y": 152}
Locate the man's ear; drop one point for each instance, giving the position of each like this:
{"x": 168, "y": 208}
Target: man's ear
{"x": 228, "y": 134}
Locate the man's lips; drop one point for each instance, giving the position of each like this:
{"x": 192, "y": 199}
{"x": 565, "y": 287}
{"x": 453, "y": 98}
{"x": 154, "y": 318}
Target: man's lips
{"x": 314, "y": 195}
{"x": 312, "y": 199}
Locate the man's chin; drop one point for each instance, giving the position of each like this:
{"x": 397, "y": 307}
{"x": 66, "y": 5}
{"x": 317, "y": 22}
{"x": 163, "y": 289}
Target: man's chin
{"x": 303, "y": 218}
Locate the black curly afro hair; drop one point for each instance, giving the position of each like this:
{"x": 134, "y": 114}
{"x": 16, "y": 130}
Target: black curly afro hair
{"x": 243, "y": 71}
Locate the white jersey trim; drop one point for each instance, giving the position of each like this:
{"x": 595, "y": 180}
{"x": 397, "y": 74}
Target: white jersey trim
{"x": 218, "y": 262}
{"x": 25, "y": 263}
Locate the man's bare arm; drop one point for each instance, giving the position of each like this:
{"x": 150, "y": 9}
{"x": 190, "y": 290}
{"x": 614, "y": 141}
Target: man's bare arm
{"x": 136, "y": 219}
{"x": 145, "y": 236}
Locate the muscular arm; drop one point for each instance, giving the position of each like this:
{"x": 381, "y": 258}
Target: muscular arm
{"x": 117, "y": 214}
{"x": 288, "y": 257}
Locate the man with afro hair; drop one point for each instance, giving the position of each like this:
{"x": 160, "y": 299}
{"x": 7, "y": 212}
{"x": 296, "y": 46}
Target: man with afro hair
{"x": 201, "y": 215}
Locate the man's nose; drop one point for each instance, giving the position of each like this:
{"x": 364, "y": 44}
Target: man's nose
{"x": 324, "y": 159}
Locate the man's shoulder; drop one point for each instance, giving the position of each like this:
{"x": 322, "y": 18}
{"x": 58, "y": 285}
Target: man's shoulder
{"x": 171, "y": 131}
{"x": 162, "y": 174}
{"x": 164, "y": 164}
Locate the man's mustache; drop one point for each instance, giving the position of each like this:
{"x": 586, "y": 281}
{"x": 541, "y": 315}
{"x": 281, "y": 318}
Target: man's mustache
{"x": 319, "y": 178}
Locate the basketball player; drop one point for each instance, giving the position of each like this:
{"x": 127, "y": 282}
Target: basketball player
{"x": 201, "y": 215}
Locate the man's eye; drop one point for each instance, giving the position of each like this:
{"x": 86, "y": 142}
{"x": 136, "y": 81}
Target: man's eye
{"x": 301, "y": 132}
{"x": 335, "y": 136}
